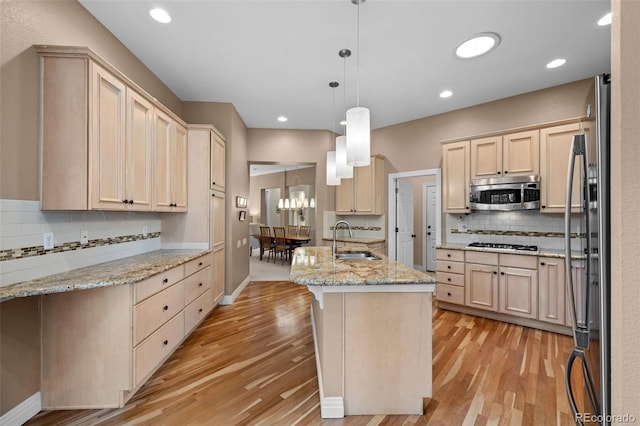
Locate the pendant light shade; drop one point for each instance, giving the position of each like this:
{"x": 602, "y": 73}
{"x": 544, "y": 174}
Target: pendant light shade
{"x": 281, "y": 203}
{"x": 343, "y": 170}
{"x": 358, "y": 137}
{"x": 286, "y": 203}
{"x": 332, "y": 178}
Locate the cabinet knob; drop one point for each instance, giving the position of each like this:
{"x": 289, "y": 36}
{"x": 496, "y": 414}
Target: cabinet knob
{"x": 499, "y": 172}
{"x": 495, "y": 272}
{"x": 501, "y": 273}
{"x": 200, "y": 264}
{"x": 448, "y": 254}
{"x": 448, "y": 293}
{"x": 166, "y": 342}
{"x": 213, "y": 195}
{"x": 125, "y": 201}
{"x": 541, "y": 263}
{"x": 448, "y": 279}
{"x": 200, "y": 285}
{"x": 544, "y": 207}
{"x": 166, "y": 280}
{"x": 506, "y": 171}
{"x": 213, "y": 183}
{"x": 200, "y": 310}
{"x": 449, "y": 267}
{"x": 166, "y": 308}
{"x": 130, "y": 201}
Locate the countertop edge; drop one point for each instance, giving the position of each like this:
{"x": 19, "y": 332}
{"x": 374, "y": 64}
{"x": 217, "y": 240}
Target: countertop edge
{"x": 40, "y": 286}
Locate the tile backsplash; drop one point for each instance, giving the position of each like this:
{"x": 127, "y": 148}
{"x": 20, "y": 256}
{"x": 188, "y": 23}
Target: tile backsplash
{"x": 528, "y": 227}
{"x": 362, "y": 226}
{"x": 111, "y": 235}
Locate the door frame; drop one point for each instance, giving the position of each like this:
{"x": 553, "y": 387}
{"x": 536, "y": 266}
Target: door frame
{"x": 391, "y": 208}
{"x": 425, "y": 187}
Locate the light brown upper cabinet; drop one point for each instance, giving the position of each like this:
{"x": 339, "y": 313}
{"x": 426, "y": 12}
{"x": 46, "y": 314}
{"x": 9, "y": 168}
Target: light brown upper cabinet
{"x": 170, "y": 189}
{"x": 217, "y": 162}
{"x": 555, "y": 146}
{"x": 365, "y": 193}
{"x": 455, "y": 177}
{"x": 97, "y": 130}
{"x": 513, "y": 154}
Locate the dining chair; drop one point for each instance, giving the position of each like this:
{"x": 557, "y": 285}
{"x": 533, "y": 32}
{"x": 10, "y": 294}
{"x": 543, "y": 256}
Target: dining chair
{"x": 266, "y": 242}
{"x": 292, "y": 230}
{"x": 304, "y": 231}
{"x": 281, "y": 245}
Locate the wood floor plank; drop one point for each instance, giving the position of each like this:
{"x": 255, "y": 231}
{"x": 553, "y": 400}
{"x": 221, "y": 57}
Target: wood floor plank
{"x": 253, "y": 363}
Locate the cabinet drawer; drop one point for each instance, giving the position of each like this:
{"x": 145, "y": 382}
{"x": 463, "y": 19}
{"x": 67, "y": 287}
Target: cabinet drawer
{"x": 196, "y": 284}
{"x": 452, "y": 267}
{"x": 197, "y": 264}
{"x": 450, "y": 293}
{"x": 197, "y": 311}
{"x": 451, "y": 279}
{"x": 148, "y": 354}
{"x": 519, "y": 261}
{"x": 155, "y": 311}
{"x": 482, "y": 257}
{"x": 444, "y": 254}
{"x": 153, "y": 285}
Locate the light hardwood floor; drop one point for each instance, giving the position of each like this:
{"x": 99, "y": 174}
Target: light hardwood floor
{"x": 252, "y": 363}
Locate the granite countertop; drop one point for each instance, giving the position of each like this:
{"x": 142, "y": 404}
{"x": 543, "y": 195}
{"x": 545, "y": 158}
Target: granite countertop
{"x": 541, "y": 252}
{"x": 360, "y": 240}
{"x": 315, "y": 266}
{"x": 123, "y": 271}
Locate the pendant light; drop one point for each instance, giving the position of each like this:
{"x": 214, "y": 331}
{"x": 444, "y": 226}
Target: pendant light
{"x": 343, "y": 170}
{"x": 358, "y": 122}
{"x": 332, "y": 178}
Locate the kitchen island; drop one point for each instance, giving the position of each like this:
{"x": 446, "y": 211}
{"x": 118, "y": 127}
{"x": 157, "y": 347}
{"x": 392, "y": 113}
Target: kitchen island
{"x": 371, "y": 321}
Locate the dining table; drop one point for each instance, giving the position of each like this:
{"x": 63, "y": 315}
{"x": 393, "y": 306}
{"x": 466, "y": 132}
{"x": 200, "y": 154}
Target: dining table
{"x": 290, "y": 239}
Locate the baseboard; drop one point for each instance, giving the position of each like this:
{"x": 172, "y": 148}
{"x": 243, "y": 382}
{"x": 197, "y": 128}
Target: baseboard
{"x": 229, "y": 299}
{"x": 330, "y": 407}
{"x": 22, "y": 412}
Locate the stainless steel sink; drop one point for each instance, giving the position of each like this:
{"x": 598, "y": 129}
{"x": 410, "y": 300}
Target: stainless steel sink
{"x": 357, "y": 255}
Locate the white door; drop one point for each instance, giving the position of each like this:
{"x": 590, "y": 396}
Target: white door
{"x": 404, "y": 222}
{"x": 430, "y": 230}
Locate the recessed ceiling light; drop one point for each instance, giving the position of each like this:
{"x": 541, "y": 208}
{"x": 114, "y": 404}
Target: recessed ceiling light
{"x": 282, "y": 119}
{"x": 478, "y": 45}
{"x": 605, "y": 20}
{"x": 446, "y": 94}
{"x": 556, "y": 63}
{"x": 160, "y": 15}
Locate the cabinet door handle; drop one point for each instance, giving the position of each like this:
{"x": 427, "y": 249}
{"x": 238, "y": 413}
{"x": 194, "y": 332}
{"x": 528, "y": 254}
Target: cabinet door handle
{"x": 125, "y": 201}
{"x": 213, "y": 183}
{"x": 130, "y": 201}
{"x": 200, "y": 310}
{"x": 166, "y": 342}
{"x": 449, "y": 279}
{"x": 448, "y": 266}
{"x": 448, "y": 293}
{"x": 166, "y": 308}
{"x": 495, "y": 272}
{"x": 200, "y": 264}
{"x": 501, "y": 273}
{"x": 200, "y": 285}
{"x": 541, "y": 263}
{"x": 166, "y": 280}
{"x": 213, "y": 195}
{"x": 544, "y": 207}
{"x": 448, "y": 254}
{"x": 506, "y": 171}
{"x": 499, "y": 172}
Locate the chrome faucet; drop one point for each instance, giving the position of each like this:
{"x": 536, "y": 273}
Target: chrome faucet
{"x": 335, "y": 228}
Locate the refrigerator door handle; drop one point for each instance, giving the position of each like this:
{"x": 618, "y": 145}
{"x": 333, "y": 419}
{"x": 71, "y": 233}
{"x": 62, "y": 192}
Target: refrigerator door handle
{"x": 580, "y": 334}
{"x": 588, "y": 383}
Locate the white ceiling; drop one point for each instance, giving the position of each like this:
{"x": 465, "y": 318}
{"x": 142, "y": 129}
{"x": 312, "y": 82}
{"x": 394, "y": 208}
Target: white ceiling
{"x": 272, "y": 58}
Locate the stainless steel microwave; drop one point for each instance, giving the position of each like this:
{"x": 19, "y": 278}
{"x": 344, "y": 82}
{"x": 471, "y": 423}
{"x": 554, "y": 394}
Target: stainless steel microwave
{"x": 505, "y": 193}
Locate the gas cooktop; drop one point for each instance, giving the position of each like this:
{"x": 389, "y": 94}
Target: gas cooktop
{"x": 514, "y": 247}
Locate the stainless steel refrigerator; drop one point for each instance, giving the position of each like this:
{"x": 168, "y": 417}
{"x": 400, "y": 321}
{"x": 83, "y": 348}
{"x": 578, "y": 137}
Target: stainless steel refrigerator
{"x": 589, "y": 294}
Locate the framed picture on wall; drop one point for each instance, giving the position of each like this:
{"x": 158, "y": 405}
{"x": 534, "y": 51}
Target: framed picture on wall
{"x": 241, "y": 202}
{"x": 242, "y": 215}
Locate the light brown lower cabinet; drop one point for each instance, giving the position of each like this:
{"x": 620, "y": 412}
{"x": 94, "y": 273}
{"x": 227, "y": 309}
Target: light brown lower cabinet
{"x": 518, "y": 284}
{"x": 551, "y": 290}
{"x": 450, "y": 276}
{"x": 100, "y": 345}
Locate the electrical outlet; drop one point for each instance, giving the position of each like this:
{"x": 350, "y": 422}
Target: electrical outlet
{"x": 144, "y": 231}
{"x": 244, "y": 241}
{"x": 84, "y": 237}
{"x": 238, "y": 244}
{"x": 48, "y": 240}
